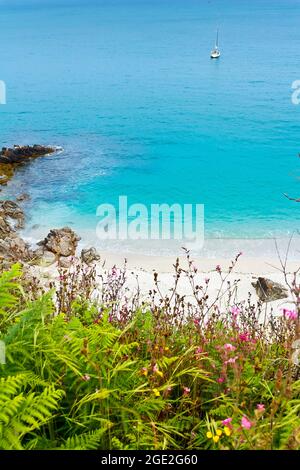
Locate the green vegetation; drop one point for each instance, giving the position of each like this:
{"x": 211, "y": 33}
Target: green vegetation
{"x": 107, "y": 373}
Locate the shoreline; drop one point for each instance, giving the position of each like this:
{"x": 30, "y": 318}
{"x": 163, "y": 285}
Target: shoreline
{"x": 213, "y": 249}
{"x": 260, "y": 258}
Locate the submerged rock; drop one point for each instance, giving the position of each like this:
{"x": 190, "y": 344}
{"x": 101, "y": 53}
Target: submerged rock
{"x": 90, "y": 255}
{"x": 61, "y": 242}
{"x": 268, "y": 290}
{"x": 23, "y": 197}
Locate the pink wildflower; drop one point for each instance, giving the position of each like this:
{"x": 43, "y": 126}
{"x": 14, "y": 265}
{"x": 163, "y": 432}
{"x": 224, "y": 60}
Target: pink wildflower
{"x": 86, "y": 377}
{"x": 229, "y": 347}
{"x": 232, "y": 360}
{"x": 235, "y": 311}
{"x": 199, "y": 350}
{"x": 218, "y": 268}
{"x": 289, "y": 314}
{"x": 220, "y": 380}
{"x": 114, "y": 271}
{"x": 227, "y": 422}
{"x": 155, "y": 368}
{"x": 186, "y": 390}
{"x": 244, "y": 337}
{"x": 246, "y": 423}
{"x": 260, "y": 407}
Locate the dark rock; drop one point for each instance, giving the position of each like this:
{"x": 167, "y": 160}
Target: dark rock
{"x": 20, "y": 154}
{"x": 268, "y": 290}
{"x": 11, "y": 158}
{"x": 90, "y": 255}
{"x": 61, "y": 242}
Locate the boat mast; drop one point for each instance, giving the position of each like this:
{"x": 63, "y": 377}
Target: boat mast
{"x": 217, "y": 40}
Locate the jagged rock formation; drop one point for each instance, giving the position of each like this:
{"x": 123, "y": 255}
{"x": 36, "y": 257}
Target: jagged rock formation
{"x": 61, "y": 242}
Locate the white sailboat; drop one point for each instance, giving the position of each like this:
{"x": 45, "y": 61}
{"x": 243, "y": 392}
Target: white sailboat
{"x": 215, "y": 53}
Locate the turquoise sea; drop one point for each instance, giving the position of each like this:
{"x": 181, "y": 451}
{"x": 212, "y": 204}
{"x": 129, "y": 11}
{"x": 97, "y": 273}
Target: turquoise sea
{"x": 129, "y": 91}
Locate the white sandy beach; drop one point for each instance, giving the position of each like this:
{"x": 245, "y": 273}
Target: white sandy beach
{"x": 246, "y": 271}
{"x": 141, "y": 268}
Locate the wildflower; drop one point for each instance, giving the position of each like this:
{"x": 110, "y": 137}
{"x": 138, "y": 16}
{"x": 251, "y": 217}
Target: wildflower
{"x": 229, "y": 347}
{"x": 167, "y": 349}
{"x": 227, "y": 431}
{"x": 221, "y": 380}
{"x": 218, "y": 268}
{"x": 144, "y": 371}
{"x": 199, "y": 350}
{"x": 232, "y": 360}
{"x": 196, "y": 322}
{"x": 216, "y": 439}
{"x": 86, "y": 377}
{"x": 244, "y": 337}
{"x": 156, "y": 392}
{"x": 209, "y": 435}
{"x": 260, "y": 407}
{"x": 219, "y": 432}
{"x": 235, "y": 311}
{"x": 227, "y": 421}
{"x": 246, "y": 423}
{"x": 155, "y": 368}
{"x": 186, "y": 390}
{"x": 114, "y": 271}
{"x": 206, "y": 280}
{"x": 289, "y": 314}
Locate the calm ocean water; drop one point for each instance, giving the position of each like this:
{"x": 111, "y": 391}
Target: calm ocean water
{"x": 127, "y": 88}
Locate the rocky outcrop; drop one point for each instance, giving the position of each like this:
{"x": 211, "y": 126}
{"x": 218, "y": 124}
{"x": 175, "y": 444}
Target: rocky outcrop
{"x": 62, "y": 242}
{"x": 12, "y": 246}
{"x": 11, "y": 210}
{"x": 20, "y": 154}
{"x": 11, "y": 158}
{"x": 268, "y": 290}
{"x": 89, "y": 255}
